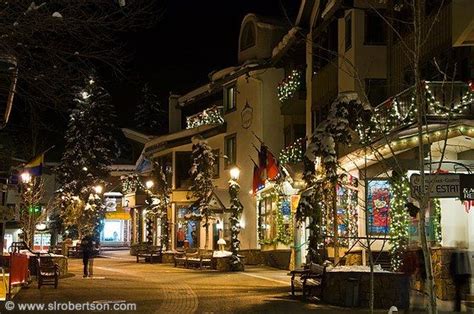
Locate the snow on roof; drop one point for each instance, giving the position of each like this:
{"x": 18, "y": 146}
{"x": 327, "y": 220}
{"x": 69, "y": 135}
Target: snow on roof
{"x": 136, "y": 136}
{"x": 217, "y": 75}
{"x": 286, "y": 41}
{"x": 194, "y": 93}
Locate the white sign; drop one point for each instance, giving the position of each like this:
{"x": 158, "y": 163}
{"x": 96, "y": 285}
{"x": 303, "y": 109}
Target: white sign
{"x": 442, "y": 185}
{"x": 110, "y": 204}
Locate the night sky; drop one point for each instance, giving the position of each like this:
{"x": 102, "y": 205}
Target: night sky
{"x": 191, "y": 39}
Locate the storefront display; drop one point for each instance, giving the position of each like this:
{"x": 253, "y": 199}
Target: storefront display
{"x": 378, "y": 206}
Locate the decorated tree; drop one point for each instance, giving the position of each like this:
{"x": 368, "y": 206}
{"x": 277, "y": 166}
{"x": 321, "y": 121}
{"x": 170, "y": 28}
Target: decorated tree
{"x": 148, "y": 114}
{"x": 202, "y": 172}
{"x": 31, "y": 211}
{"x": 163, "y": 192}
{"x": 236, "y": 209}
{"x": 90, "y": 150}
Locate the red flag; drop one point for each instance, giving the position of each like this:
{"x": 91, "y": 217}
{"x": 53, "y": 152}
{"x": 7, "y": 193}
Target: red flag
{"x": 272, "y": 166}
{"x": 258, "y": 183}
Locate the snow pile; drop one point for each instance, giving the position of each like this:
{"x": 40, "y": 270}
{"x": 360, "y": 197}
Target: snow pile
{"x": 221, "y": 254}
{"x": 58, "y": 15}
{"x": 286, "y": 41}
{"x": 222, "y": 73}
{"x": 357, "y": 268}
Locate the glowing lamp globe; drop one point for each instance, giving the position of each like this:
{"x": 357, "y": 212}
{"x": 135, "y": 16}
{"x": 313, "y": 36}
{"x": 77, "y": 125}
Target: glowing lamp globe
{"x": 235, "y": 173}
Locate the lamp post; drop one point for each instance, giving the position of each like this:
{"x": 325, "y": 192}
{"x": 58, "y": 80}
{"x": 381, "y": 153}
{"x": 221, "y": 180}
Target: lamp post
{"x": 236, "y": 209}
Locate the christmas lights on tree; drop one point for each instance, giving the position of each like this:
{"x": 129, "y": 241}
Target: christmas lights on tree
{"x": 293, "y": 153}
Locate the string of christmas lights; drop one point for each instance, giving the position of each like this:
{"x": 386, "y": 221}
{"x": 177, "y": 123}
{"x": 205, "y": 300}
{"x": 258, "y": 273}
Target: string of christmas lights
{"x": 290, "y": 85}
{"x": 211, "y": 115}
{"x": 293, "y": 153}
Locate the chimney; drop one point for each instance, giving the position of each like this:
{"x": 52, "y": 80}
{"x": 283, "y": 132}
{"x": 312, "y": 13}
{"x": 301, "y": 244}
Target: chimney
{"x": 174, "y": 114}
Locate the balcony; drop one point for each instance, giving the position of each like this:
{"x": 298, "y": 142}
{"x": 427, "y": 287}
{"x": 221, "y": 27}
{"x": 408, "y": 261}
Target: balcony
{"x": 445, "y": 102}
{"x": 208, "y": 116}
{"x": 292, "y": 94}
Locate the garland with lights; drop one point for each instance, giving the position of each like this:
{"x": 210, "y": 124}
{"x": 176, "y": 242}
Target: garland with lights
{"x": 236, "y": 209}
{"x": 293, "y": 153}
{"x": 436, "y": 220}
{"x": 130, "y": 183}
{"x": 399, "y": 220}
{"x": 211, "y": 115}
{"x": 401, "y": 110}
{"x": 290, "y": 85}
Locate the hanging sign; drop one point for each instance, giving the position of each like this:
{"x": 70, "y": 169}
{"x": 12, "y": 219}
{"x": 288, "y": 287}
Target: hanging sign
{"x": 466, "y": 183}
{"x": 437, "y": 185}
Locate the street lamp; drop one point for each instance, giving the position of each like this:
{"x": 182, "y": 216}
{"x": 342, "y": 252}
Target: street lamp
{"x": 149, "y": 184}
{"x": 26, "y": 177}
{"x": 235, "y": 173}
{"x": 98, "y": 189}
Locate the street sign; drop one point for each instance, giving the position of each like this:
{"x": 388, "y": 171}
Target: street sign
{"x": 442, "y": 185}
{"x": 466, "y": 190}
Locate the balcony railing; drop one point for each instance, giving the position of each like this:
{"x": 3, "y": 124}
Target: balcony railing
{"x": 445, "y": 101}
{"x": 208, "y": 116}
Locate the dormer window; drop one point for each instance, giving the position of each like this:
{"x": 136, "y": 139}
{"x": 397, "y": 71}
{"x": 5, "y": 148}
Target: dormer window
{"x": 248, "y": 36}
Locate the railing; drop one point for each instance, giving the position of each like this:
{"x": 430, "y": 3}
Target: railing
{"x": 444, "y": 101}
{"x": 208, "y": 116}
{"x": 293, "y": 153}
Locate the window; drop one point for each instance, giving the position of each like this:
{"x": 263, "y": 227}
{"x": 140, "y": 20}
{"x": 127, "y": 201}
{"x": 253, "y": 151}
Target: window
{"x": 378, "y": 206}
{"x": 230, "y": 149}
{"x": 216, "y": 163}
{"x": 374, "y": 29}
{"x": 248, "y": 36}
{"x": 376, "y": 90}
{"x": 348, "y": 31}
{"x": 183, "y": 164}
{"x": 230, "y": 99}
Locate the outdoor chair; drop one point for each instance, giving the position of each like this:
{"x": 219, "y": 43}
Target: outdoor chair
{"x": 179, "y": 257}
{"x": 47, "y": 272}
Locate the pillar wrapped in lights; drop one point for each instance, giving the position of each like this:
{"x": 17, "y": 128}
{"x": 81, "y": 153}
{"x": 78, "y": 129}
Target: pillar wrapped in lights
{"x": 236, "y": 209}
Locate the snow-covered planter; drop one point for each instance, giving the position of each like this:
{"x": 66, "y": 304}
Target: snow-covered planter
{"x": 211, "y": 115}
{"x": 290, "y": 85}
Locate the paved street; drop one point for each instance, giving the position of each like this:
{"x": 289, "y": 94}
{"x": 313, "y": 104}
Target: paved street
{"x": 162, "y": 288}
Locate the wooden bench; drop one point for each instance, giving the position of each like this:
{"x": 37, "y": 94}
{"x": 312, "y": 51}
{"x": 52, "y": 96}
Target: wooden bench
{"x": 200, "y": 259}
{"x": 309, "y": 279}
{"x": 47, "y": 272}
{"x": 149, "y": 252}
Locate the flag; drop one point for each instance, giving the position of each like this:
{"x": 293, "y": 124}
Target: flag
{"x": 271, "y": 166}
{"x": 262, "y": 157}
{"x": 258, "y": 183}
{"x": 35, "y": 166}
{"x": 143, "y": 165}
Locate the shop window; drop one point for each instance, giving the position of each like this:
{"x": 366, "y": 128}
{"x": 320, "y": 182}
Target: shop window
{"x": 347, "y": 200}
{"x": 230, "y": 98}
{"x": 348, "y": 31}
{"x": 230, "y": 150}
{"x": 187, "y": 231}
{"x": 375, "y": 30}
{"x": 268, "y": 230}
{"x": 378, "y": 199}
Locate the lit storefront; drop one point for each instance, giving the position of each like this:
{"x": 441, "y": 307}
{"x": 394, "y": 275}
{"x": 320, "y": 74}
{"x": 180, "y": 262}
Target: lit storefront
{"x": 116, "y": 229}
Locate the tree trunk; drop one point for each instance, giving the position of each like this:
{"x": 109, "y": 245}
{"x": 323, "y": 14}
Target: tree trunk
{"x": 335, "y": 224}
{"x": 206, "y": 244}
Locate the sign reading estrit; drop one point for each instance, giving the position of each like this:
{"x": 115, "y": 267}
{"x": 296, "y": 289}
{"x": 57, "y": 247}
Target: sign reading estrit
{"x": 436, "y": 185}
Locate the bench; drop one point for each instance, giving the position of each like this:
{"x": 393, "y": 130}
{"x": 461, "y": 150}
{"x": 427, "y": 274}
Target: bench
{"x": 309, "y": 279}
{"x": 47, "y": 272}
{"x": 149, "y": 252}
{"x": 199, "y": 259}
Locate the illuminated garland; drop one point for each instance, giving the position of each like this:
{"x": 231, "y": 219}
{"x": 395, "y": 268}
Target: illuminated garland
{"x": 236, "y": 209}
{"x": 211, "y": 115}
{"x": 290, "y": 85}
{"x": 436, "y": 220}
{"x": 402, "y": 110}
{"x": 399, "y": 220}
{"x": 293, "y": 153}
{"x": 130, "y": 183}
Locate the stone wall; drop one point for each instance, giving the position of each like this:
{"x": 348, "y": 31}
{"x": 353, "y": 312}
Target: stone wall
{"x": 253, "y": 257}
{"x": 353, "y": 289}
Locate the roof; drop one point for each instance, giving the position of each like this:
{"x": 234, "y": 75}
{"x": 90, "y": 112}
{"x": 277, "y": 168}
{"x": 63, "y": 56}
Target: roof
{"x": 136, "y": 136}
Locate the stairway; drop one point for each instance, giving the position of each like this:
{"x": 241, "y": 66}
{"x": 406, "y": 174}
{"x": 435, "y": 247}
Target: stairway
{"x": 383, "y": 259}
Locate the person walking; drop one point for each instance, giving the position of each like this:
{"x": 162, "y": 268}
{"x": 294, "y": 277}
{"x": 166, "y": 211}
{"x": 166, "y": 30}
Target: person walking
{"x": 87, "y": 246}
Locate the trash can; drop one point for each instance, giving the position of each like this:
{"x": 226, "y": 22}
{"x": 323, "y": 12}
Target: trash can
{"x": 352, "y": 292}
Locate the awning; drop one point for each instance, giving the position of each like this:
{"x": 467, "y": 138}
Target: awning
{"x": 118, "y": 215}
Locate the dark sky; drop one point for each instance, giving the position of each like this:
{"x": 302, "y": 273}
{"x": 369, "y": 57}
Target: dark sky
{"x": 193, "y": 38}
